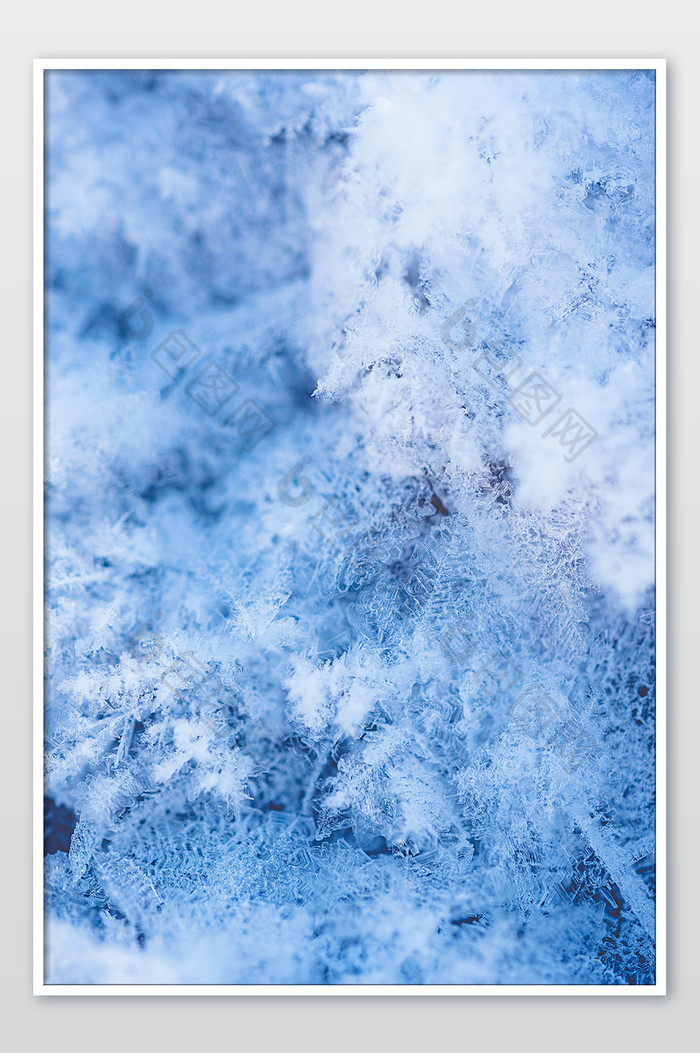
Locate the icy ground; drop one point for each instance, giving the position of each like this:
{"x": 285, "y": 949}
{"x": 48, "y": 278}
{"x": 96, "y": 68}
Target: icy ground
{"x": 350, "y": 528}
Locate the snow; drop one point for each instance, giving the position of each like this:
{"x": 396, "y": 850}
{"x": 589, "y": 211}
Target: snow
{"x": 296, "y": 612}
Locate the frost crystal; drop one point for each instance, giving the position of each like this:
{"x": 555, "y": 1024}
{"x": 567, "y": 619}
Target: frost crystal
{"x": 350, "y": 518}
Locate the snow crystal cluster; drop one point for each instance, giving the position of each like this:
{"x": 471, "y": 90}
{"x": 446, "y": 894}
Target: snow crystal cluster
{"x": 350, "y": 608}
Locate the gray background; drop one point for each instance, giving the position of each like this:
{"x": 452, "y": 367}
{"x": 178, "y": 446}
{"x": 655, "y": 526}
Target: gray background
{"x": 393, "y": 28}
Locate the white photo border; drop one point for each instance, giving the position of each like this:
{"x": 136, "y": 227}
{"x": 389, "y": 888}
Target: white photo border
{"x": 41, "y": 68}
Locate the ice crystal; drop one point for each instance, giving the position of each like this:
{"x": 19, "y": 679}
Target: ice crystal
{"x": 350, "y": 618}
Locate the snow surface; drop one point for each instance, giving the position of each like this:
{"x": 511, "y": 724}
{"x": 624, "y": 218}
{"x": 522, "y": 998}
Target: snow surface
{"x": 350, "y": 653}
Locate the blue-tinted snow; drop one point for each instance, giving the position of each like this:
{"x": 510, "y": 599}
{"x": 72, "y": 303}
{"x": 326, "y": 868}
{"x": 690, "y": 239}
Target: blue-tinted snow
{"x": 351, "y": 654}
